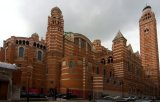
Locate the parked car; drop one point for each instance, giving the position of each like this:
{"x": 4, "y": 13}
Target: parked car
{"x": 121, "y": 100}
{"x": 126, "y": 99}
{"x": 157, "y": 98}
{"x": 23, "y": 94}
{"x": 32, "y": 95}
{"x": 108, "y": 98}
{"x": 147, "y": 101}
{"x": 138, "y": 100}
{"x": 60, "y": 95}
{"x": 116, "y": 97}
{"x": 133, "y": 97}
{"x": 66, "y": 96}
{"x": 101, "y": 100}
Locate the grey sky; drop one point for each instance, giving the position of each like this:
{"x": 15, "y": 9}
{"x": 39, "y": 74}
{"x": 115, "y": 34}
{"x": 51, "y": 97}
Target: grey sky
{"x": 96, "y": 19}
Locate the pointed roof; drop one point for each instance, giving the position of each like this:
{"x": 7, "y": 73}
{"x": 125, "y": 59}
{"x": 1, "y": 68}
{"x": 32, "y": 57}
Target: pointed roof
{"x": 129, "y": 47}
{"x": 118, "y": 36}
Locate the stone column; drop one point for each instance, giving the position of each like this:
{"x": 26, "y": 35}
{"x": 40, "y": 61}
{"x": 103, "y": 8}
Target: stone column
{"x": 9, "y": 93}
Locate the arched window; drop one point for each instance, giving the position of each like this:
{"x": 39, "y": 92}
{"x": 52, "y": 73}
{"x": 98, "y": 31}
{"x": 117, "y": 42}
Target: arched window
{"x": 110, "y": 59}
{"x": 20, "y": 42}
{"x": 97, "y": 70}
{"x": 34, "y": 44}
{"x": 110, "y": 74}
{"x": 21, "y": 52}
{"x": 38, "y": 45}
{"x": 39, "y": 55}
{"x": 16, "y": 41}
{"x": 24, "y": 42}
{"x": 27, "y": 42}
{"x": 103, "y": 61}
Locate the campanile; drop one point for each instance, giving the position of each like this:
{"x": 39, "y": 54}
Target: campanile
{"x": 149, "y": 44}
{"x": 54, "y": 41}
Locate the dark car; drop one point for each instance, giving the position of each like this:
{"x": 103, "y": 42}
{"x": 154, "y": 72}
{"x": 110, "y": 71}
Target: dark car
{"x": 157, "y": 98}
{"x": 23, "y": 94}
{"x": 66, "y": 96}
{"x": 32, "y": 95}
{"x": 60, "y": 95}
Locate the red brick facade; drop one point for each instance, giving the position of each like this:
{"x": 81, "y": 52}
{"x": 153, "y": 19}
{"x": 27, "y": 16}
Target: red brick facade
{"x": 67, "y": 61}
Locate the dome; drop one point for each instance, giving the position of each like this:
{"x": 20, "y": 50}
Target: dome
{"x": 147, "y": 7}
{"x": 35, "y": 36}
{"x": 56, "y": 9}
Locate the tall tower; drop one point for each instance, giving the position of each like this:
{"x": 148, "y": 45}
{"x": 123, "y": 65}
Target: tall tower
{"x": 118, "y": 48}
{"x": 54, "y": 41}
{"x": 149, "y": 44}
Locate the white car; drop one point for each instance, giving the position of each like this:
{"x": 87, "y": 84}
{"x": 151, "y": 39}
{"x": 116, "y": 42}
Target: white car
{"x": 108, "y": 98}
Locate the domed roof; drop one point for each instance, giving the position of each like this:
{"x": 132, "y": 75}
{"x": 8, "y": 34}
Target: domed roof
{"x": 147, "y": 7}
{"x": 56, "y": 9}
{"x": 34, "y": 34}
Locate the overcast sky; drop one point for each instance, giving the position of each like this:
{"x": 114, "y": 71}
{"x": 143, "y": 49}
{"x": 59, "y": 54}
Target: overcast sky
{"x": 96, "y": 19}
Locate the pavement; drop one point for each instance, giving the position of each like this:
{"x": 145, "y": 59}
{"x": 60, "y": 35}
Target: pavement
{"x": 48, "y": 101}
{"x": 63, "y": 101}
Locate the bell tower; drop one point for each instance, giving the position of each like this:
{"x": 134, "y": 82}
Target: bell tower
{"x": 149, "y": 44}
{"x": 54, "y": 41}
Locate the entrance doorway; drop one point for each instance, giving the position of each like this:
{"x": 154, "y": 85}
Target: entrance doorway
{"x": 3, "y": 90}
